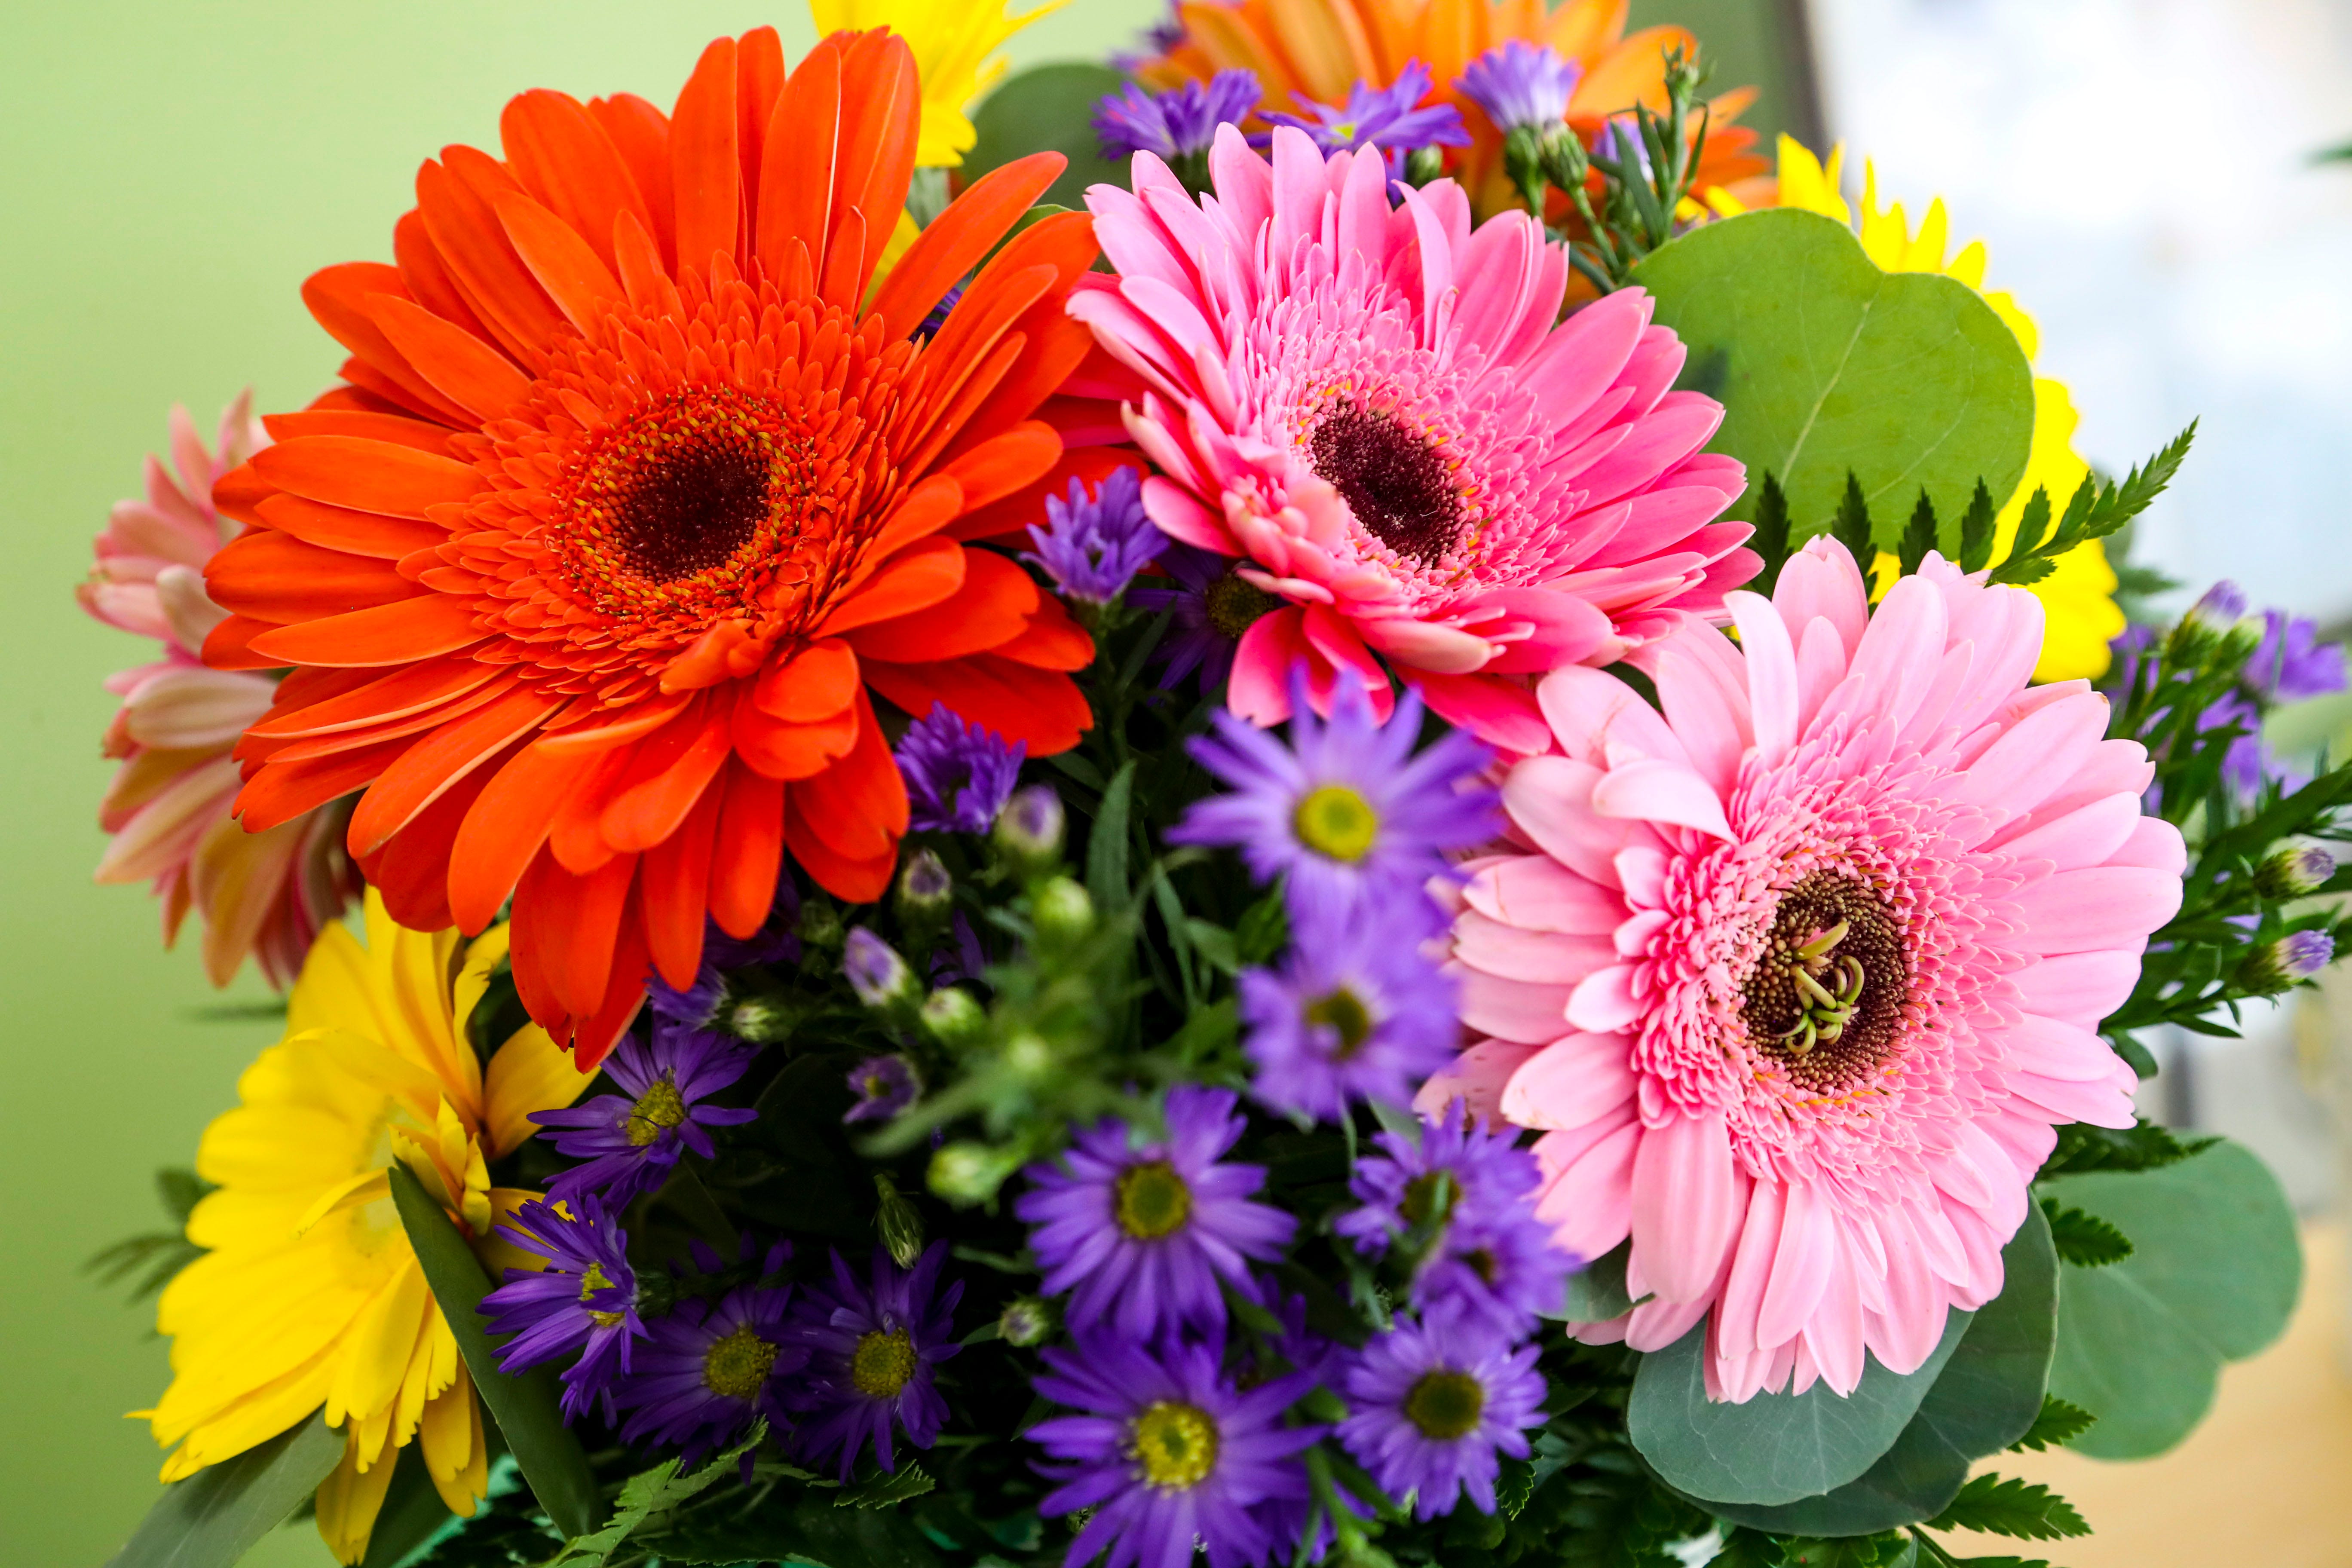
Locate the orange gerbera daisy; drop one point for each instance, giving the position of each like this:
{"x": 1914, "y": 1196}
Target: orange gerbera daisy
{"x": 1321, "y": 49}
{"x": 637, "y": 487}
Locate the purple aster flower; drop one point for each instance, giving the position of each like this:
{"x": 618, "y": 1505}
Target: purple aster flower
{"x": 1346, "y": 811}
{"x": 1210, "y": 608}
{"x": 872, "y": 1346}
{"x": 885, "y": 1086}
{"x": 2221, "y": 606}
{"x": 1435, "y": 1402}
{"x": 2291, "y": 664}
{"x": 1170, "y": 1455}
{"x": 1179, "y": 125}
{"x": 1490, "y": 1257}
{"x": 1093, "y": 547}
{"x": 710, "y": 1368}
{"x": 1143, "y": 1234}
{"x": 1385, "y": 117}
{"x": 1520, "y": 86}
{"x": 774, "y": 943}
{"x": 1354, "y": 1012}
{"x": 956, "y": 774}
{"x": 584, "y": 1303}
{"x": 964, "y": 957}
{"x": 631, "y": 1141}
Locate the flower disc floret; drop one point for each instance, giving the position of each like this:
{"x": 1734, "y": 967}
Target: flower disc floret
{"x": 1353, "y": 1013}
{"x": 628, "y": 1143}
{"x": 1434, "y": 1407}
{"x": 873, "y": 1345}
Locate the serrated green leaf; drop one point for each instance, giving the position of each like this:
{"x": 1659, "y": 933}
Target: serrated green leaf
{"x": 884, "y": 1490}
{"x": 1770, "y": 541}
{"x": 1977, "y": 530}
{"x": 1852, "y": 526}
{"x": 648, "y": 1493}
{"x": 527, "y": 1408}
{"x": 2144, "y": 1146}
{"x": 1919, "y": 535}
{"x": 2022, "y": 1510}
{"x": 214, "y": 1517}
{"x": 1047, "y": 108}
{"x": 2084, "y": 1240}
{"x": 801, "y": 1526}
{"x": 1823, "y": 376}
{"x": 2059, "y": 1423}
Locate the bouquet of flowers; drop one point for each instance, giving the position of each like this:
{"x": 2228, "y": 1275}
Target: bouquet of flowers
{"x": 1329, "y": 797}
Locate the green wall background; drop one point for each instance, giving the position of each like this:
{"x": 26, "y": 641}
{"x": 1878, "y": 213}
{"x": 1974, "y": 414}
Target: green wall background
{"x": 168, "y": 175}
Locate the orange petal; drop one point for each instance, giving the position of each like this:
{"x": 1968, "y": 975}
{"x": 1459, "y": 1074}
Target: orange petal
{"x": 1051, "y": 641}
{"x": 1041, "y": 707}
{"x": 1008, "y": 520}
{"x": 461, "y": 366}
{"x": 574, "y": 276}
{"x": 396, "y": 428}
{"x": 675, "y": 889}
{"x": 877, "y": 156}
{"x": 414, "y": 628}
{"x": 637, "y": 718}
{"x": 796, "y": 182}
{"x": 337, "y": 299}
{"x": 667, "y": 776}
{"x": 1055, "y": 346}
{"x": 922, "y": 573}
{"x": 853, "y": 881}
{"x": 706, "y": 174}
{"x": 997, "y": 467}
{"x": 409, "y": 689}
{"x": 752, "y": 841}
{"x": 816, "y": 682}
{"x": 993, "y": 606}
{"x": 442, "y": 758}
{"x": 788, "y": 752}
{"x": 640, "y": 133}
{"x": 565, "y": 928}
{"x": 566, "y": 161}
{"x": 859, "y": 804}
{"x": 282, "y": 793}
{"x": 466, "y": 234}
{"x": 352, "y": 532}
{"x": 577, "y": 835}
{"x": 959, "y": 239}
{"x": 229, "y": 645}
{"x": 933, "y": 503}
{"x": 428, "y": 277}
{"x": 273, "y": 576}
{"x": 369, "y": 476}
{"x": 411, "y": 869}
{"x": 505, "y": 828}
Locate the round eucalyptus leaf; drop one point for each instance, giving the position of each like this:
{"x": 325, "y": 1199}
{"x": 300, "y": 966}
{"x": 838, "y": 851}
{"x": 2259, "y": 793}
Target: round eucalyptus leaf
{"x": 1776, "y": 1448}
{"x": 1988, "y": 1396}
{"x": 2213, "y": 1276}
{"x": 1826, "y": 364}
{"x": 1047, "y": 108}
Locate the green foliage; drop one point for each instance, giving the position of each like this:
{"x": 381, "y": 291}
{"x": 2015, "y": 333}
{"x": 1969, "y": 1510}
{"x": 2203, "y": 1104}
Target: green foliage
{"x": 2059, "y": 1423}
{"x": 214, "y": 1517}
{"x": 2020, "y": 1509}
{"x": 646, "y": 1494}
{"x": 1851, "y": 526}
{"x": 1047, "y": 109}
{"x": 2083, "y": 1240}
{"x": 1819, "y": 353}
{"x": 1919, "y": 534}
{"x": 1597, "y": 1291}
{"x": 1639, "y": 196}
{"x": 413, "y": 1511}
{"x": 1977, "y": 530}
{"x": 2096, "y": 512}
{"x": 1770, "y": 541}
{"x": 150, "y": 1261}
{"x": 2212, "y": 1276}
{"x": 2142, "y": 1146}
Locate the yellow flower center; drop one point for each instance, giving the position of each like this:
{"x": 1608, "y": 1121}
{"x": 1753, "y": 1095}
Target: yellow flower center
{"x": 591, "y": 1282}
{"x": 1152, "y": 1200}
{"x": 882, "y": 1363}
{"x": 1427, "y": 1198}
{"x": 737, "y": 1365}
{"x": 658, "y": 1109}
{"x": 1175, "y": 1444}
{"x": 1344, "y": 1013}
{"x": 1445, "y": 1405}
{"x": 1335, "y": 821}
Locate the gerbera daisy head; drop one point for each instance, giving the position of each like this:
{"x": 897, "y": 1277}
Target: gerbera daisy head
{"x": 1177, "y": 126}
{"x": 1384, "y": 420}
{"x": 167, "y": 810}
{"x": 709, "y": 1369}
{"x": 636, "y": 487}
{"x": 1798, "y": 976}
{"x": 1093, "y": 545}
{"x": 629, "y": 1143}
{"x": 1520, "y": 86}
{"x": 1143, "y": 1233}
{"x": 1391, "y": 116}
{"x": 1353, "y": 1013}
{"x": 1347, "y": 813}
{"x": 584, "y": 1303}
{"x": 1435, "y": 1405}
{"x": 872, "y": 1345}
{"x": 1169, "y": 1454}
{"x": 957, "y": 775}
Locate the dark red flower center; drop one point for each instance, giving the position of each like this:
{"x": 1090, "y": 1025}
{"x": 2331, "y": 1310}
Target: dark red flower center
{"x": 1395, "y": 479}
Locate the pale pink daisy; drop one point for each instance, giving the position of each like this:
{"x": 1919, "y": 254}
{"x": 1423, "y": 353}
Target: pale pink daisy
{"x": 265, "y": 894}
{"x": 1378, "y": 413}
{"x": 1798, "y": 977}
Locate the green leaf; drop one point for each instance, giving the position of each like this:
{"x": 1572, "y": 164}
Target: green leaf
{"x": 883, "y": 1490}
{"x": 1976, "y": 530}
{"x": 1213, "y": 942}
{"x": 1107, "y": 845}
{"x": 1262, "y": 930}
{"x": 1907, "y": 379}
{"x": 2213, "y": 1275}
{"x": 1770, "y": 540}
{"x": 2020, "y": 1510}
{"x": 213, "y": 1519}
{"x": 1047, "y": 108}
{"x": 648, "y": 1493}
{"x": 2084, "y": 1240}
{"x": 2142, "y": 1147}
{"x": 1990, "y": 1393}
{"x": 1852, "y": 1552}
{"x": 1597, "y": 1291}
{"x": 2059, "y": 1423}
{"x": 1852, "y": 528}
{"x": 801, "y": 1526}
{"x": 526, "y": 1407}
{"x": 1919, "y": 537}
{"x": 1776, "y": 1448}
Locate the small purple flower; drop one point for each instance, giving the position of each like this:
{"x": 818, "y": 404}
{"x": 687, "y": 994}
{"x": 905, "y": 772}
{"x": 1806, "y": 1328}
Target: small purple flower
{"x": 1154, "y": 40}
{"x": 774, "y": 943}
{"x": 2300, "y": 954}
{"x": 1520, "y": 86}
{"x": 1435, "y": 1402}
{"x": 957, "y": 775}
{"x": 875, "y": 969}
{"x": 1093, "y": 547}
{"x": 1143, "y": 1234}
{"x": 1210, "y": 608}
{"x": 1385, "y": 117}
{"x": 1347, "y": 811}
{"x": 710, "y": 1368}
{"x": 1620, "y": 142}
{"x": 871, "y": 1348}
{"x": 2291, "y": 664}
{"x": 1490, "y": 1256}
{"x": 584, "y": 1303}
{"x": 1169, "y": 1454}
{"x": 2221, "y": 606}
{"x": 1178, "y": 125}
{"x": 630, "y": 1143}
{"x": 1354, "y": 1012}
{"x": 885, "y": 1086}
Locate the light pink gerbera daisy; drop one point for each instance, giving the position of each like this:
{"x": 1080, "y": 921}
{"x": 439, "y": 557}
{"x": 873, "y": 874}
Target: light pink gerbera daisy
{"x": 265, "y": 894}
{"x": 1380, "y": 413}
{"x": 1798, "y": 977}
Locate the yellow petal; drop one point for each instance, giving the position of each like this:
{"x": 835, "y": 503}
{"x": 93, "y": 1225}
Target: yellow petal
{"x": 363, "y": 1188}
{"x": 349, "y": 1501}
{"x": 530, "y": 1073}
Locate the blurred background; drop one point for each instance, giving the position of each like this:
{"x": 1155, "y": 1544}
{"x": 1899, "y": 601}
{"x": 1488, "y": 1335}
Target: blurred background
{"x": 2141, "y": 170}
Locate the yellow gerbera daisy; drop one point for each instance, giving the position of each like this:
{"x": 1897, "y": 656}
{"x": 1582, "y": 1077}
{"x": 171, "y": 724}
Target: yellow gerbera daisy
{"x": 2079, "y": 611}
{"x": 309, "y": 1294}
{"x": 955, "y": 43}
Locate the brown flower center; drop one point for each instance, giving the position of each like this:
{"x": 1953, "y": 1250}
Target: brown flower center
{"x": 1234, "y": 605}
{"x": 1397, "y": 483}
{"x": 1825, "y": 998}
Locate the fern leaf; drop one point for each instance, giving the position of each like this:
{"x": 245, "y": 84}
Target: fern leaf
{"x": 2022, "y": 1509}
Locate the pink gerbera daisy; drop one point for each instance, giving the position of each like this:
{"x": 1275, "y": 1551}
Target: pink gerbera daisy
{"x": 1378, "y": 413}
{"x": 265, "y": 894}
{"x": 1798, "y": 977}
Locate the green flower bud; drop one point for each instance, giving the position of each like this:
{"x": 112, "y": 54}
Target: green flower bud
{"x": 926, "y": 891}
{"x": 1029, "y": 828}
{"x": 1029, "y": 1057}
{"x": 953, "y": 1018}
{"x": 897, "y": 1222}
{"x": 2293, "y": 872}
{"x": 1424, "y": 164}
{"x": 1064, "y": 912}
{"x": 966, "y": 1172}
{"x": 820, "y": 922}
{"x": 763, "y": 1018}
{"x": 1028, "y": 1320}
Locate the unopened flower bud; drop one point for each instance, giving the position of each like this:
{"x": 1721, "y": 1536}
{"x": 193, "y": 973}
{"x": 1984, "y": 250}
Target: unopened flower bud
{"x": 1029, "y": 828}
{"x": 953, "y": 1018}
{"x": 879, "y": 976}
{"x": 2221, "y": 606}
{"x": 2282, "y": 964}
{"x": 820, "y": 923}
{"x": 897, "y": 1222}
{"x": 1029, "y": 1056}
{"x": 2293, "y": 872}
{"x": 925, "y": 888}
{"x": 969, "y": 1173}
{"x": 1424, "y": 164}
{"x": 1027, "y": 1320}
{"x": 1064, "y": 911}
{"x": 760, "y": 1018}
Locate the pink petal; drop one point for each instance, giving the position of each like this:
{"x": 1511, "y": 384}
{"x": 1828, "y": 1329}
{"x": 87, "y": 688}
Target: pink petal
{"x": 2154, "y": 844}
{"x": 1575, "y": 1079}
{"x": 2101, "y": 906}
{"x": 1751, "y": 1267}
{"x": 1513, "y": 953}
{"x": 2079, "y": 987}
{"x": 1589, "y": 1205}
{"x": 1500, "y": 711}
{"x": 2086, "y": 837}
{"x": 1476, "y": 1076}
{"x": 1512, "y": 1009}
{"x": 2035, "y": 758}
{"x": 1550, "y": 799}
{"x": 1259, "y": 688}
{"x": 1688, "y": 1202}
{"x": 1802, "y": 1263}
{"x": 1661, "y": 791}
{"x": 2099, "y": 1104}
{"x": 1822, "y": 580}
{"x": 2054, "y": 1048}
{"x": 1771, "y": 675}
{"x": 1587, "y": 708}
{"x": 1604, "y": 1001}
{"x": 1538, "y": 893}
